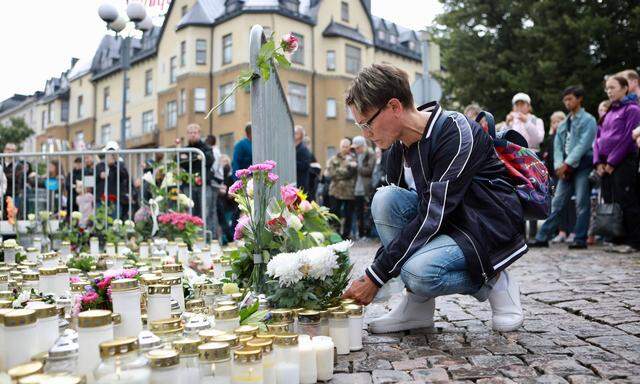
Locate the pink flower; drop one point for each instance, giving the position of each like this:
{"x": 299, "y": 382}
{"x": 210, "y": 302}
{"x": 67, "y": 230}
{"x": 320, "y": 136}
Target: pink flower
{"x": 240, "y": 173}
{"x": 266, "y": 166}
{"x": 130, "y": 273}
{"x": 273, "y": 178}
{"x": 243, "y": 222}
{"x": 104, "y": 283}
{"x": 74, "y": 279}
{"x": 235, "y": 187}
{"x": 289, "y": 43}
{"x": 271, "y": 163}
{"x": 89, "y": 298}
{"x": 305, "y": 206}
{"x": 289, "y": 194}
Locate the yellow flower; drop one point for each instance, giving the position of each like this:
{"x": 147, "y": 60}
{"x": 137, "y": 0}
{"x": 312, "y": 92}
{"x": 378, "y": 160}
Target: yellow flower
{"x": 230, "y": 288}
{"x": 63, "y": 213}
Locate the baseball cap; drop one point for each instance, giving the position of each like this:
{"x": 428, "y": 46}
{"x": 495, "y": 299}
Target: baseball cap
{"x": 111, "y": 146}
{"x": 521, "y": 96}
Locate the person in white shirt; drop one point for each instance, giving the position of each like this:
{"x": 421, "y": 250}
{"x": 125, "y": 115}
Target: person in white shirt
{"x": 524, "y": 122}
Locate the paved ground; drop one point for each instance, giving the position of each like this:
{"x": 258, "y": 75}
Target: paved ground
{"x": 582, "y": 325}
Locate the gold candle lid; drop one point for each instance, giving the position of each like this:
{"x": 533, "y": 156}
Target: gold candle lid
{"x": 166, "y": 325}
{"x": 116, "y": 318}
{"x": 207, "y": 335}
{"x": 94, "y": 275}
{"x": 244, "y": 339}
{"x": 265, "y": 345}
{"x": 150, "y": 278}
{"x": 46, "y": 310}
{"x": 124, "y": 285}
{"x": 215, "y": 351}
{"x": 278, "y": 328}
{"x": 159, "y": 289}
{"x": 193, "y": 304}
{"x": 336, "y": 308}
{"x": 49, "y": 255}
{"x": 5, "y": 270}
{"x": 48, "y": 271}
{"x": 18, "y": 317}
{"x": 226, "y": 312}
{"x": 212, "y": 288}
{"x": 309, "y": 317}
{"x": 118, "y": 347}
{"x": 182, "y": 245}
{"x": 187, "y": 347}
{"x": 251, "y": 330}
{"x": 232, "y": 340}
{"x": 226, "y": 303}
{"x": 247, "y": 355}
{"x": 27, "y": 276}
{"x": 281, "y": 316}
{"x": 65, "y": 242}
{"x": 176, "y": 281}
{"x": 79, "y": 286}
{"x": 286, "y": 339}
{"x": 6, "y": 295}
{"x": 6, "y": 304}
{"x": 172, "y": 268}
{"x": 163, "y": 358}
{"x": 41, "y": 357}
{"x": 94, "y": 318}
{"x": 265, "y": 336}
{"x": 339, "y": 315}
{"x": 62, "y": 269}
{"x": 353, "y": 309}
{"x": 46, "y": 378}
{"x": 74, "y": 271}
{"x": 24, "y": 370}
{"x": 237, "y": 297}
{"x": 121, "y": 244}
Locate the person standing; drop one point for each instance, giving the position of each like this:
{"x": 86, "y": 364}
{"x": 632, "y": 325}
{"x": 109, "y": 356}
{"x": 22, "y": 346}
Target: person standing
{"x": 459, "y": 230}
{"x": 303, "y": 159}
{"x": 342, "y": 169}
{"x": 216, "y": 183}
{"x": 315, "y": 171}
{"x": 242, "y": 152}
{"x": 615, "y": 157}
{"x": 524, "y": 122}
{"x": 194, "y": 139}
{"x": 366, "y": 162}
{"x": 112, "y": 182}
{"x": 572, "y": 164}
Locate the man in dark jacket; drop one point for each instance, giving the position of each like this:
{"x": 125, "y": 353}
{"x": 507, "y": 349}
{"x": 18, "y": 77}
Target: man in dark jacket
{"x": 112, "y": 182}
{"x": 461, "y": 226}
{"x": 303, "y": 159}
{"x": 194, "y": 138}
{"x": 242, "y": 152}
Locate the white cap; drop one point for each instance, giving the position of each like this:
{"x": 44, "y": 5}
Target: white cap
{"x": 521, "y": 96}
{"x": 358, "y": 141}
{"x": 111, "y": 146}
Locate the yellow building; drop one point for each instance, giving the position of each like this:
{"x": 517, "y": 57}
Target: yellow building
{"x": 181, "y": 69}
{"x": 23, "y": 107}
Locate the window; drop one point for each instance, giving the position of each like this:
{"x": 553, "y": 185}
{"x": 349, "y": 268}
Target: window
{"x": 298, "y": 56}
{"x": 106, "y": 99}
{"x": 201, "y": 51}
{"x": 182, "y": 107}
{"x": 80, "y": 100}
{"x": 79, "y": 137}
{"x": 353, "y": 59}
{"x": 393, "y": 39}
{"x": 51, "y": 112}
{"x": 349, "y": 114}
{"x": 344, "y": 11}
{"x": 226, "y": 144}
{"x": 127, "y": 128}
{"x": 230, "y": 104}
{"x": 291, "y": 5}
{"x": 331, "y": 108}
{"x": 226, "y": 49}
{"x": 183, "y": 53}
{"x": 381, "y": 35}
{"x": 184, "y": 10}
{"x": 331, "y": 60}
{"x": 126, "y": 89}
{"x": 147, "y": 122}
{"x": 148, "y": 82}
{"x": 44, "y": 119}
{"x": 412, "y": 45}
{"x": 297, "y": 97}
{"x": 199, "y": 100}
{"x": 105, "y": 133}
{"x": 172, "y": 114}
{"x": 64, "y": 113}
{"x": 172, "y": 70}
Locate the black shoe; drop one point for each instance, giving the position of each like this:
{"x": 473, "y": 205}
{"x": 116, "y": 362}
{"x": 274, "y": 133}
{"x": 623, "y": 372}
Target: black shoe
{"x": 578, "y": 245}
{"x": 538, "y": 244}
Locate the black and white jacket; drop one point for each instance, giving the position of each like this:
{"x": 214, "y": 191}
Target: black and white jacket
{"x": 464, "y": 193}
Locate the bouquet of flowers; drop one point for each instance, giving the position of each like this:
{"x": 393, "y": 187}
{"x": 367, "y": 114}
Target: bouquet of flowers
{"x": 97, "y": 294}
{"x": 173, "y": 225}
{"x": 312, "y": 278}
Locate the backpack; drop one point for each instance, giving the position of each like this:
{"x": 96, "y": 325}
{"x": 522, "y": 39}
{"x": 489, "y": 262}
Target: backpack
{"x": 529, "y": 176}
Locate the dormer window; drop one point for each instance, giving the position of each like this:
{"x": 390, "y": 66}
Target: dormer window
{"x": 412, "y": 45}
{"x": 382, "y": 35}
{"x": 290, "y": 5}
{"x": 393, "y": 39}
{"x": 233, "y": 5}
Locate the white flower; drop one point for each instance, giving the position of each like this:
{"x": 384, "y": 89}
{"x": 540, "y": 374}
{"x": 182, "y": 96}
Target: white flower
{"x": 31, "y": 217}
{"x": 129, "y": 224}
{"x": 250, "y": 188}
{"x": 293, "y": 222}
{"x": 321, "y": 261}
{"x": 44, "y": 215}
{"x": 168, "y": 180}
{"x": 286, "y": 267}
{"x": 342, "y": 246}
{"x": 76, "y": 215}
{"x": 318, "y": 237}
{"x": 148, "y": 177}
{"x": 117, "y": 222}
{"x": 11, "y": 243}
{"x": 184, "y": 200}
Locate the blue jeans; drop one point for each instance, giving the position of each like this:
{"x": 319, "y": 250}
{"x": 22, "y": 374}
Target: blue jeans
{"x": 578, "y": 184}
{"x": 439, "y": 267}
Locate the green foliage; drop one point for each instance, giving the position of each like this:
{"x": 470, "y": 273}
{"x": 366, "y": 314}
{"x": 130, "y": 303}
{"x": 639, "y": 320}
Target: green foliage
{"x": 17, "y": 132}
{"x": 492, "y": 49}
{"x": 83, "y": 263}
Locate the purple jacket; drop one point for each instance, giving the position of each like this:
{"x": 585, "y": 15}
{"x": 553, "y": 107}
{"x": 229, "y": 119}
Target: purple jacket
{"x": 613, "y": 141}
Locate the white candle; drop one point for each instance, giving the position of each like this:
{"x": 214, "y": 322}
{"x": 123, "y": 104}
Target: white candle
{"x": 129, "y": 376}
{"x": 144, "y": 250}
{"x": 287, "y": 359}
{"x": 47, "y": 325}
{"x": 3, "y": 347}
{"x": 165, "y": 366}
{"x": 177, "y": 292}
{"x": 355, "y": 326}
{"x": 32, "y": 255}
{"x": 308, "y": 371}
{"x": 323, "y": 346}
{"x": 172, "y": 249}
{"x": 65, "y": 251}
{"x": 94, "y": 327}
{"x": 339, "y": 331}
{"x": 10, "y": 255}
{"x": 20, "y": 337}
{"x": 110, "y": 249}
{"x": 158, "y": 302}
{"x": 48, "y": 279}
{"x": 94, "y": 246}
{"x": 183, "y": 255}
{"x": 37, "y": 244}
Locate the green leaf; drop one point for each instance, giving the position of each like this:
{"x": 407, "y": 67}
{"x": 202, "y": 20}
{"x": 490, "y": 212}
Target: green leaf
{"x": 282, "y": 60}
{"x": 248, "y": 311}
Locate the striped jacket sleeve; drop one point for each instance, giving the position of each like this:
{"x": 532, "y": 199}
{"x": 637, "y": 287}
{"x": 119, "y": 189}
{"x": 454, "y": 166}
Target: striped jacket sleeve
{"x": 452, "y": 170}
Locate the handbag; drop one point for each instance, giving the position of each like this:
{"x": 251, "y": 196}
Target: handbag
{"x": 608, "y": 220}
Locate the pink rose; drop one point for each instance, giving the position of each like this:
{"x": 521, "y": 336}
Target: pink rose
{"x": 243, "y": 222}
{"x": 305, "y": 206}
{"x": 289, "y": 43}
{"x": 289, "y": 194}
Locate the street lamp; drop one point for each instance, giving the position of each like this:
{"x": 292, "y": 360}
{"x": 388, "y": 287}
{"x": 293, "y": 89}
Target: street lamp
{"x": 117, "y": 22}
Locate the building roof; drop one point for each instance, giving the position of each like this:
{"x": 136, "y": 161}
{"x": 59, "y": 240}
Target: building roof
{"x": 340, "y": 30}
{"x": 404, "y": 36}
{"x": 80, "y": 68}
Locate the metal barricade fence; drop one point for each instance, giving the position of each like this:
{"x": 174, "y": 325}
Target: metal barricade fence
{"x": 29, "y": 176}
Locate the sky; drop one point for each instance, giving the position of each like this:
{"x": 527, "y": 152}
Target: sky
{"x": 38, "y": 38}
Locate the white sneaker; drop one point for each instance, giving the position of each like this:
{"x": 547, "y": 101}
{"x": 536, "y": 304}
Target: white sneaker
{"x": 505, "y": 304}
{"x": 560, "y": 238}
{"x": 571, "y": 238}
{"x": 412, "y": 312}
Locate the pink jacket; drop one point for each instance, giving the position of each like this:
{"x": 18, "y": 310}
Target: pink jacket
{"x": 532, "y": 130}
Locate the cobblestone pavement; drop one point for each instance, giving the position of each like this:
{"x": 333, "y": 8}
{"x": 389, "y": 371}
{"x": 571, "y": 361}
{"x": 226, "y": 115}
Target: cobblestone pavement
{"x": 582, "y": 325}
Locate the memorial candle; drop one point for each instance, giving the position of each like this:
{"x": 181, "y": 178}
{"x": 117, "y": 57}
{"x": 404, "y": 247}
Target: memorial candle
{"x": 125, "y": 295}
{"x": 323, "y": 346}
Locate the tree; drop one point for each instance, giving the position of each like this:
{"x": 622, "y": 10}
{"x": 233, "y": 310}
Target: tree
{"x": 16, "y": 133}
{"x": 492, "y": 49}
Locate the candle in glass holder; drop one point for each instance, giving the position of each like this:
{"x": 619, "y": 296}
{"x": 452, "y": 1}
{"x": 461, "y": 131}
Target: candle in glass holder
{"x": 189, "y": 366}
{"x": 268, "y": 359}
{"x": 308, "y": 370}
{"x": 62, "y": 284}
{"x": 37, "y": 244}
{"x": 125, "y": 295}
{"x": 355, "y": 326}
{"x": 118, "y": 262}
{"x": 121, "y": 363}
{"x": 32, "y": 255}
{"x": 10, "y": 254}
{"x": 4, "y": 282}
{"x": 172, "y": 249}
{"x": 172, "y": 271}
{"x": 50, "y": 260}
{"x": 177, "y": 292}
{"x": 144, "y": 250}
{"x": 47, "y": 282}
{"x": 183, "y": 254}
{"x": 195, "y": 325}
{"x": 110, "y": 249}
{"x": 287, "y": 359}
{"x": 94, "y": 247}
{"x": 339, "y": 330}
{"x": 247, "y": 366}
{"x": 94, "y": 327}
{"x": 20, "y": 337}
{"x": 323, "y": 346}
{"x": 30, "y": 280}
{"x": 47, "y": 325}
{"x": 165, "y": 366}
{"x": 309, "y": 323}
{"x": 279, "y": 316}
{"x": 158, "y": 302}
{"x": 227, "y": 318}
{"x": 65, "y": 251}
{"x": 215, "y": 363}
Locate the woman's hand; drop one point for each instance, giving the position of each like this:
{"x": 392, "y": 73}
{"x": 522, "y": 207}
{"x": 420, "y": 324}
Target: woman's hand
{"x": 600, "y": 170}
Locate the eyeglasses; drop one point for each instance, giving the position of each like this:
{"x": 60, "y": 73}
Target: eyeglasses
{"x": 366, "y": 126}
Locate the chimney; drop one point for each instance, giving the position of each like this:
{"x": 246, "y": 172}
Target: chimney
{"x": 74, "y": 60}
